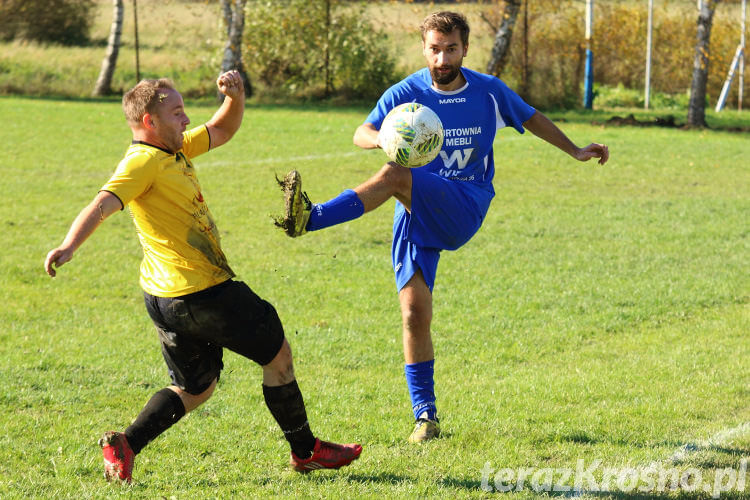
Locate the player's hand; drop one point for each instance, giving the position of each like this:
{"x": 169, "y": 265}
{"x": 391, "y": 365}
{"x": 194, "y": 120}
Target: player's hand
{"x": 58, "y": 257}
{"x": 593, "y": 150}
{"x": 230, "y": 84}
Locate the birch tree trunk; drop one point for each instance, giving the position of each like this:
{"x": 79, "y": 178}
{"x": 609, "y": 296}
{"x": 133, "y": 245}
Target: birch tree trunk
{"x": 233, "y": 12}
{"x": 697, "y": 106}
{"x": 104, "y": 82}
{"x": 501, "y": 45}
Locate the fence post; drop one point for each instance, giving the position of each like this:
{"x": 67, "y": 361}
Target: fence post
{"x": 588, "y": 94}
{"x": 649, "y": 34}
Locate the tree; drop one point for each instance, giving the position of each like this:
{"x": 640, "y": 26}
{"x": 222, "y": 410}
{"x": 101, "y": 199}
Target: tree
{"x": 697, "y": 106}
{"x": 104, "y": 82}
{"x": 234, "y": 20}
{"x": 501, "y": 45}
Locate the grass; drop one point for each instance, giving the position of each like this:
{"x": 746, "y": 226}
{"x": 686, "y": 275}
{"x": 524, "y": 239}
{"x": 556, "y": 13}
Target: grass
{"x": 600, "y": 314}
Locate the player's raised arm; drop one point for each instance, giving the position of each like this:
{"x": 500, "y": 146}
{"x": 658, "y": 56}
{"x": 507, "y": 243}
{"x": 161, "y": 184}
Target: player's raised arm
{"x": 228, "y": 118}
{"x": 104, "y": 205}
{"x": 366, "y": 136}
{"x": 542, "y": 127}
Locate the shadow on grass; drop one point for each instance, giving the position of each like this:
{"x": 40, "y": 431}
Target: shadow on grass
{"x": 383, "y": 477}
{"x": 724, "y": 121}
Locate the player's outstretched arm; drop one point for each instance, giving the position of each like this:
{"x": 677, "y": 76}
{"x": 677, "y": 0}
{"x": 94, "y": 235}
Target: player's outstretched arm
{"x": 228, "y": 118}
{"x": 366, "y": 136}
{"x": 542, "y": 127}
{"x": 104, "y": 205}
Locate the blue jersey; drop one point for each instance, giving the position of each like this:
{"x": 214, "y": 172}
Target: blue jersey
{"x": 471, "y": 116}
{"x": 450, "y": 195}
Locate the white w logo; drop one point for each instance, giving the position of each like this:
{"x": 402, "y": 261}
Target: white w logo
{"x": 460, "y": 156}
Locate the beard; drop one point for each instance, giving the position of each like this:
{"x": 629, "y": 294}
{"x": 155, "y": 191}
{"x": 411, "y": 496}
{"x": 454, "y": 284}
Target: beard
{"x": 445, "y": 78}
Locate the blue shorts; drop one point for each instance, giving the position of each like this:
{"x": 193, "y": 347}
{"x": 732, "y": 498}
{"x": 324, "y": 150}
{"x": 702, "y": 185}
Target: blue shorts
{"x": 445, "y": 214}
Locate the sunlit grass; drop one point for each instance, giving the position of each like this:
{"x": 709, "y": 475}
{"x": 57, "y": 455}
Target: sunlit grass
{"x": 600, "y": 313}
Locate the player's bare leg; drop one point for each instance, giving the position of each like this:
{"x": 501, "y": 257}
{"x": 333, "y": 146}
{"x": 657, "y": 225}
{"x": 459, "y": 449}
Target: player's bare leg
{"x": 416, "y": 313}
{"x": 193, "y": 401}
{"x": 280, "y": 370}
{"x": 392, "y": 180}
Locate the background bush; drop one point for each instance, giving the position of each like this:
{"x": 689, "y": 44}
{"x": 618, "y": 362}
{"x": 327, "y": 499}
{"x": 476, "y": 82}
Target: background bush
{"x": 67, "y": 22}
{"x": 285, "y": 42}
{"x": 184, "y": 39}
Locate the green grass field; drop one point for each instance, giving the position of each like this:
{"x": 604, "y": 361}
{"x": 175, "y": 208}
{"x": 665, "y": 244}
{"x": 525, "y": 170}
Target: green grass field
{"x": 600, "y": 314}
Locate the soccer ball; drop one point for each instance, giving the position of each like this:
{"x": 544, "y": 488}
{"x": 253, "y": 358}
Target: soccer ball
{"x": 411, "y": 135}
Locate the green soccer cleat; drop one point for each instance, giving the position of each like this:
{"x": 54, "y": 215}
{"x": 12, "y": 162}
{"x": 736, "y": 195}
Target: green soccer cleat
{"x": 297, "y": 205}
{"x": 424, "y": 430}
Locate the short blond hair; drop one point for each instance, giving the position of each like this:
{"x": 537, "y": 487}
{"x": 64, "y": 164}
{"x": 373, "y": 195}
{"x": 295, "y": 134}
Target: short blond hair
{"x": 144, "y": 97}
{"x": 445, "y": 22}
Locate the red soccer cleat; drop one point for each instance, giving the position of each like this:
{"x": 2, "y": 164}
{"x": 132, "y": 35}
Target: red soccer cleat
{"x": 118, "y": 457}
{"x": 326, "y": 456}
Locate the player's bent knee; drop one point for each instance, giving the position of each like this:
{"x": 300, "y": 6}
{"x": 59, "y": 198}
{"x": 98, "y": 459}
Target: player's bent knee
{"x": 281, "y": 369}
{"x": 192, "y": 401}
{"x": 396, "y": 176}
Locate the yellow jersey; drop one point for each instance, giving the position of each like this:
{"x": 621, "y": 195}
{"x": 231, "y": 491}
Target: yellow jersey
{"x": 181, "y": 245}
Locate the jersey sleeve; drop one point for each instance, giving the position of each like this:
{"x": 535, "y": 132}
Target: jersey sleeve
{"x": 133, "y": 177}
{"x": 512, "y": 110}
{"x": 395, "y": 95}
{"x": 196, "y": 141}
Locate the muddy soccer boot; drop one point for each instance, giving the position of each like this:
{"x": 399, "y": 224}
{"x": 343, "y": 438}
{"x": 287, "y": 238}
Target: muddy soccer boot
{"x": 297, "y": 206}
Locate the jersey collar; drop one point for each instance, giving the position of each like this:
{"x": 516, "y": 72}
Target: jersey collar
{"x": 153, "y": 146}
{"x": 450, "y": 92}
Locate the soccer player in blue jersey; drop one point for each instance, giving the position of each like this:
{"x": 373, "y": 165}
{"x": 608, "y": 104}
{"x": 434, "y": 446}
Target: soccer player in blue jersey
{"x": 472, "y": 107}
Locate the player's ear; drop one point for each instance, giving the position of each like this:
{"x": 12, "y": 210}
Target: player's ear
{"x": 148, "y": 121}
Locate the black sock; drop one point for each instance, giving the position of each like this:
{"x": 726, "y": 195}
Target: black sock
{"x": 163, "y": 410}
{"x": 288, "y": 408}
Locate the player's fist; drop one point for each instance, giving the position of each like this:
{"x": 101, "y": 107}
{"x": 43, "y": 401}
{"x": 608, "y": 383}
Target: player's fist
{"x": 230, "y": 84}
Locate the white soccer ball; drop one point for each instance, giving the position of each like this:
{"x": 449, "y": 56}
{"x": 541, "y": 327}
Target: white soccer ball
{"x": 411, "y": 135}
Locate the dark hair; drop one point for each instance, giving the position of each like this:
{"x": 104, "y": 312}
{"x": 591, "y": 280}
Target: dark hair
{"x": 143, "y": 98}
{"x": 445, "y": 22}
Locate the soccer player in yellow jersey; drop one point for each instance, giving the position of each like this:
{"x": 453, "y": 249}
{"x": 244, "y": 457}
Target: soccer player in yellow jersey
{"x": 197, "y": 307}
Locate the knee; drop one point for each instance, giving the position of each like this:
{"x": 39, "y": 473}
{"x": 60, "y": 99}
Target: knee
{"x": 280, "y": 370}
{"x": 192, "y": 401}
{"x": 203, "y": 396}
{"x": 416, "y": 315}
{"x": 396, "y": 176}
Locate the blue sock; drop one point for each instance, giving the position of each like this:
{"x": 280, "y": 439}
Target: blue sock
{"x": 345, "y": 207}
{"x": 421, "y": 382}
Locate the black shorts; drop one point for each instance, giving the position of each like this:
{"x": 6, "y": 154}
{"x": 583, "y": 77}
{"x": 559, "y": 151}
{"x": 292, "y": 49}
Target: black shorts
{"x": 194, "y": 329}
